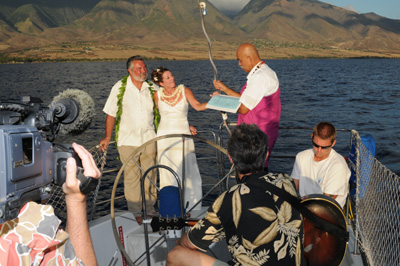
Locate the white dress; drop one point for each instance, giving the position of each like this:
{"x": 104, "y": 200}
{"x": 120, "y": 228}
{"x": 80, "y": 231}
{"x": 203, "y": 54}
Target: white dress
{"x": 174, "y": 121}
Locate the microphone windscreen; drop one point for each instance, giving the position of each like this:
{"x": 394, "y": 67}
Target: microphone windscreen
{"x": 86, "y": 111}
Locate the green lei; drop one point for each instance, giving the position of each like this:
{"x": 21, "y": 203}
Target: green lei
{"x": 120, "y": 97}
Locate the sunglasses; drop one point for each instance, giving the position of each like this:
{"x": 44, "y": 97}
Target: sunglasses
{"x": 318, "y": 146}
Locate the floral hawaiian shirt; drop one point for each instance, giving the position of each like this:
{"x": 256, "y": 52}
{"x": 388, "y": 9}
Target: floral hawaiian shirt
{"x": 33, "y": 238}
{"x": 259, "y": 227}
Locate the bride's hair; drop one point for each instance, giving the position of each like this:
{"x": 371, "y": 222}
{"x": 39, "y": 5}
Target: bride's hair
{"x": 157, "y": 73}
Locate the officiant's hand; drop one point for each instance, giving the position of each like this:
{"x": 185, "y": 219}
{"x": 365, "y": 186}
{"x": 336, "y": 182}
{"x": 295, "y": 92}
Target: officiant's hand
{"x": 221, "y": 87}
{"x": 215, "y": 93}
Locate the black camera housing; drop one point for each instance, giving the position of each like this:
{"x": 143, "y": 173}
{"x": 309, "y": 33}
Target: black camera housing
{"x": 29, "y": 162}
{"x": 29, "y": 165}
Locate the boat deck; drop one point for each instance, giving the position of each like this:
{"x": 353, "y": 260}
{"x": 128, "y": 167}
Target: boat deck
{"x": 132, "y": 238}
{"x": 351, "y": 258}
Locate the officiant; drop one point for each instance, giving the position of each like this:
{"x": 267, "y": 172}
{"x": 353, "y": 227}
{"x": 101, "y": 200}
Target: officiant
{"x": 260, "y": 101}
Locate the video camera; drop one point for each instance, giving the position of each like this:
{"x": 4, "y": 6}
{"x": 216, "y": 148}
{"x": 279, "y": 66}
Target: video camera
{"x": 29, "y": 162}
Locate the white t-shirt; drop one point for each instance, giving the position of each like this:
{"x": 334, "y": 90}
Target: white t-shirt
{"x": 261, "y": 82}
{"x": 330, "y": 175}
{"x": 137, "y": 119}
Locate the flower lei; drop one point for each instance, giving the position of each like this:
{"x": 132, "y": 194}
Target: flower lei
{"x": 177, "y": 93}
{"x": 120, "y": 98}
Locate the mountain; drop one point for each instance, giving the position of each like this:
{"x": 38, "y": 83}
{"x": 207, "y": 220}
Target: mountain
{"x": 156, "y": 24}
{"x": 144, "y": 21}
{"x": 33, "y": 17}
{"x": 164, "y": 21}
{"x": 314, "y": 22}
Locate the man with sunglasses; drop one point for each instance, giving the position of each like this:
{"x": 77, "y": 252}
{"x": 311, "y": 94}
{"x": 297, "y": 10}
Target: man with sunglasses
{"x": 321, "y": 169}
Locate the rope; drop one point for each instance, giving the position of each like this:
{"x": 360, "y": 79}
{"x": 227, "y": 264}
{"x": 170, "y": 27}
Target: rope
{"x": 57, "y": 197}
{"x": 376, "y": 207}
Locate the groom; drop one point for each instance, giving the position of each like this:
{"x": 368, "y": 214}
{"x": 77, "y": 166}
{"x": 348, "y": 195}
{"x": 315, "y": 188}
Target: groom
{"x": 133, "y": 117}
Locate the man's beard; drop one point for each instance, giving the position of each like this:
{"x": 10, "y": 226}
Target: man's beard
{"x": 141, "y": 78}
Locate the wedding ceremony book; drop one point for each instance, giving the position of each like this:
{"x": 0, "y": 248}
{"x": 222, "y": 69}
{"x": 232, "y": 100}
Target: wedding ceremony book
{"x": 224, "y": 103}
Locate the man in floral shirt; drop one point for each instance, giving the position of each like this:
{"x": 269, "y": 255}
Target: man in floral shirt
{"x": 260, "y": 228}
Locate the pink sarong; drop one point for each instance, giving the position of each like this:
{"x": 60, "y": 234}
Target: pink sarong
{"x": 266, "y": 116}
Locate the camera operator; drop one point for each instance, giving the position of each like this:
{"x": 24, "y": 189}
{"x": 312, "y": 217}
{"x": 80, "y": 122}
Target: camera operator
{"x": 34, "y": 237}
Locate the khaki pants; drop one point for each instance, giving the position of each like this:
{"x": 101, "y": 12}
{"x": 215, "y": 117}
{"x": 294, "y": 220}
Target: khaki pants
{"x": 132, "y": 174}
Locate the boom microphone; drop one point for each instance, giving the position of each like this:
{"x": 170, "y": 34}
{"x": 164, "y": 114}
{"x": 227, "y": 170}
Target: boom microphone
{"x": 76, "y": 115}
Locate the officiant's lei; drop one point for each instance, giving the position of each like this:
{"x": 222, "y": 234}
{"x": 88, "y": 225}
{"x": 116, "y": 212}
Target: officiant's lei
{"x": 120, "y": 98}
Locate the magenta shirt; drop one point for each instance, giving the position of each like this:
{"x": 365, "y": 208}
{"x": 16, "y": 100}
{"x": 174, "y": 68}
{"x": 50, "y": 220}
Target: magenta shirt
{"x": 266, "y": 116}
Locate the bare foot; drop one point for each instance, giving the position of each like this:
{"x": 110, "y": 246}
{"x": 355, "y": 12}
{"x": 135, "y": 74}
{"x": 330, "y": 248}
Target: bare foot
{"x": 139, "y": 220}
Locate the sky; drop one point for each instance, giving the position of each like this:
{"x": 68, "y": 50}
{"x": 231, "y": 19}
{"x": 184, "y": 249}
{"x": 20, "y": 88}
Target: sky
{"x": 385, "y": 8}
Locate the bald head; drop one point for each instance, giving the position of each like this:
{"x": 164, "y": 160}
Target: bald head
{"x": 248, "y": 56}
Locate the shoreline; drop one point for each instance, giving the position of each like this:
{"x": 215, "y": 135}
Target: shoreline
{"x": 34, "y": 61}
{"x": 93, "y": 52}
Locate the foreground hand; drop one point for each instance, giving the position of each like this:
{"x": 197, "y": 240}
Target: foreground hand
{"x": 193, "y": 130}
{"x": 71, "y": 185}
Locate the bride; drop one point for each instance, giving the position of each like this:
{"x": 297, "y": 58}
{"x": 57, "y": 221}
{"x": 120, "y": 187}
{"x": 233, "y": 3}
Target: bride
{"x": 173, "y": 103}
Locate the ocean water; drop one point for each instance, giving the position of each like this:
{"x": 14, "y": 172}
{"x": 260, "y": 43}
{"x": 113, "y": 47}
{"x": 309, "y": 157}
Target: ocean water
{"x": 360, "y": 94}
